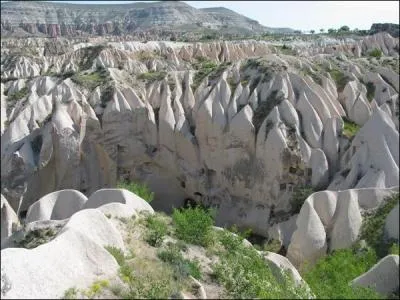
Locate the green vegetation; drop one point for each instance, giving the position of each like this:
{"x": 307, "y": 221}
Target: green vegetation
{"x": 137, "y": 188}
{"x": 18, "y": 95}
{"x": 96, "y": 288}
{"x": 71, "y": 293}
{"x": 152, "y": 76}
{"x": 182, "y": 267}
{"x": 204, "y": 68}
{"x": 340, "y": 78}
{"x": 194, "y": 225}
{"x": 272, "y": 246}
{"x": 375, "y": 53}
{"x": 329, "y": 278}
{"x": 245, "y": 275}
{"x": 394, "y": 249}
{"x": 88, "y": 55}
{"x": 370, "y": 90}
{"x": 300, "y": 194}
{"x": 157, "y": 230}
{"x": 36, "y": 238}
{"x": 265, "y": 108}
{"x": 373, "y": 226}
{"x": 286, "y": 50}
{"x": 350, "y": 128}
{"x": 91, "y": 80}
{"x": 117, "y": 253}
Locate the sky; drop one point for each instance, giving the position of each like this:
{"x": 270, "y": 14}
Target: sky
{"x": 304, "y": 15}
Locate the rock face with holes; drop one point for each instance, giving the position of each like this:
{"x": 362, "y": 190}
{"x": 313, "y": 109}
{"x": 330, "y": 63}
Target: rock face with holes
{"x": 236, "y": 125}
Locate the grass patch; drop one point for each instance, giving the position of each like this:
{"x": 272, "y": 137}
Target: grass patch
{"x": 157, "y": 230}
{"x": 370, "y": 90}
{"x": 340, "y": 79}
{"x": 88, "y": 55}
{"x": 300, "y": 194}
{"x": 203, "y": 68}
{"x": 18, "y": 95}
{"x": 329, "y": 278}
{"x": 117, "y": 253}
{"x": 194, "y": 225}
{"x": 139, "y": 189}
{"x": 245, "y": 274}
{"x": 92, "y": 80}
{"x": 375, "y": 53}
{"x": 372, "y": 229}
{"x": 272, "y": 246}
{"x": 152, "y": 76}
{"x": 287, "y": 50}
{"x": 96, "y": 288}
{"x": 182, "y": 267}
{"x": 350, "y": 128}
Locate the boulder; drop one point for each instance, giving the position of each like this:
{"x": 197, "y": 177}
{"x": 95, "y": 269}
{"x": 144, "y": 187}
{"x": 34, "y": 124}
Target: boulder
{"x": 58, "y": 205}
{"x": 105, "y": 196}
{"x": 383, "y": 276}
{"x": 76, "y": 257}
{"x": 392, "y": 224}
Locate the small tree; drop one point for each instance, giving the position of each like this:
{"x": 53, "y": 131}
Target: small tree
{"x": 344, "y": 29}
{"x": 331, "y": 31}
{"x": 312, "y": 31}
{"x": 321, "y": 30}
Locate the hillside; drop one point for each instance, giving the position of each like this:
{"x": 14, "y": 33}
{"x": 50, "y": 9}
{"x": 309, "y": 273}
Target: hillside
{"x": 64, "y": 19}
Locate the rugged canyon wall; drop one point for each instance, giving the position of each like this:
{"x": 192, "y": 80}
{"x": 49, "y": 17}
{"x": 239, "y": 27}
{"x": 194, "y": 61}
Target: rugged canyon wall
{"x": 238, "y": 126}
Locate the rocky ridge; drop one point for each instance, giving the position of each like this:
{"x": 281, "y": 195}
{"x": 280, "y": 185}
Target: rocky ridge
{"x": 240, "y": 136}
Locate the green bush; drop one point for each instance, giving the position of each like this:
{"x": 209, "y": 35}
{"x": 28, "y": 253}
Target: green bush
{"x": 273, "y": 246}
{"x": 71, "y": 293}
{"x": 18, "y": 95}
{"x": 265, "y": 107}
{"x": 300, "y": 194}
{"x": 117, "y": 253}
{"x": 137, "y": 188}
{"x": 194, "y": 225}
{"x": 36, "y": 238}
{"x": 370, "y": 90}
{"x": 329, "y": 278}
{"x": 92, "y": 80}
{"x": 157, "y": 230}
{"x": 152, "y": 76}
{"x": 96, "y": 288}
{"x": 375, "y": 53}
{"x": 245, "y": 274}
{"x": 372, "y": 229}
{"x": 394, "y": 249}
{"x": 182, "y": 267}
{"x": 340, "y": 79}
{"x": 350, "y": 128}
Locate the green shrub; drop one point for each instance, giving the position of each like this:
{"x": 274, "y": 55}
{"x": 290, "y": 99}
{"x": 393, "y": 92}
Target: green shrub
{"x": 375, "y": 53}
{"x": 36, "y": 238}
{"x": 117, "y": 253}
{"x": 137, "y": 188}
{"x": 394, "y": 249}
{"x": 152, "y": 76}
{"x": 245, "y": 274}
{"x": 92, "y": 80}
{"x": 71, "y": 293}
{"x": 18, "y": 95}
{"x": 157, "y": 230}
{"x": 350, "y": 128}
{"x": 300, "y": 194}
{"x": 194, "y": 225}
{"x": 340, "y": 79}
{"x": 372, "y": 229}
{"x": 370, "y": 90}
{"x": 329, "y": 278}
{"x": 273, "y": 246}
{"x": 96, "y": 288}
{"x": 182, "y": 267}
